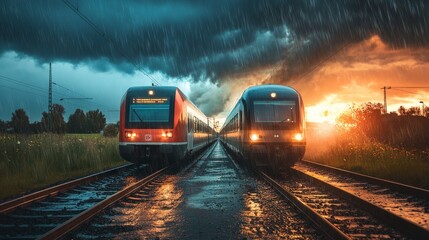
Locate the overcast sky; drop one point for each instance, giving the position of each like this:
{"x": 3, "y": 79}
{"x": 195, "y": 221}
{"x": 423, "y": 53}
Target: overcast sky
{"x": 333, "y": 52}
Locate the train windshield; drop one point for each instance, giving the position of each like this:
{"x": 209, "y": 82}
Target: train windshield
{"x": 279, "y": 111}
{"x": 149, "y": 112}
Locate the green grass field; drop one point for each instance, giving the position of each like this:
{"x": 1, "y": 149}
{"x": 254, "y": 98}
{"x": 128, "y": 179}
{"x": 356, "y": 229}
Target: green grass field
{"x": 35, "y": 161}
{"x": 357, "y": 153}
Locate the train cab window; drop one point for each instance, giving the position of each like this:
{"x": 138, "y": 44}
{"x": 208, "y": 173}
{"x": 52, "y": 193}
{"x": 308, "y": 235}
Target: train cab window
{"x": 149, "y": 113}
{"x": 146, "y": 112}
{"x": 282, "y": 111}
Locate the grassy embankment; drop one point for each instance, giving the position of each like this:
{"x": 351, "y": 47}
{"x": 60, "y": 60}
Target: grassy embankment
{"x": 358, "y": 153}
{"x": 34, "y": 161}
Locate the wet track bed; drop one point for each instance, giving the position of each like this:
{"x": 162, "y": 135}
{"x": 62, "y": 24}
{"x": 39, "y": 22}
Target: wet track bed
{"x": 349, "y": 219}
{"x": 414, "y": 209}
{"x": 37, "y": 218}
{"x": 213, "y": 199}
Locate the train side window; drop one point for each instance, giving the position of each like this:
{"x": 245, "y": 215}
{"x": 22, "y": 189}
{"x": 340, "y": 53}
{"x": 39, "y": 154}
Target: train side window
{"x": 190, "y": 123}
{"x": 235, "y": 123}
{"x": 240, "y": 120}
{"x": 199, "y": 125}
{"x": 195, "y": 124}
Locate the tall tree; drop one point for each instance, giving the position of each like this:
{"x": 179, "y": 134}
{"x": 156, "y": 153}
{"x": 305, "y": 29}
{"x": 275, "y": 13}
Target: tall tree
{"x": 402, "y": 111}
{"x": 36, "y": 127}
{"x": 55, "y": 122}
{"x": 96, "y": 121}
{"x": 77, "y": 122}
{"x": 20, "y": 121}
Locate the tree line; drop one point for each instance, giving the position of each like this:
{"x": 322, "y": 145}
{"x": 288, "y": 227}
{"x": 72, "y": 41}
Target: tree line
{"x": 79, "y": 122}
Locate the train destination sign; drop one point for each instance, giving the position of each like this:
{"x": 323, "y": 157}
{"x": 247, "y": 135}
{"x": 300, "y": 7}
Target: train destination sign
{"x": 150, "y": 100}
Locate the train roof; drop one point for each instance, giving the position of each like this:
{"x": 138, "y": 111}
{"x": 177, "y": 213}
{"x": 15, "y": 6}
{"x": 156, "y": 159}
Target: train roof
{"x": 265, "y": 90}
{"x": 164, "y": 89}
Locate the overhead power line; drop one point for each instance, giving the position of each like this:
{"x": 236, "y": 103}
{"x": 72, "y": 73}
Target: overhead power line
{"x": 398, "y": 89}
{"x": 24, "y": 84}
{"x": 24, "y": 91}
{"x": 106, "y": 37}
{"x": 43, "y": 92}
{"x": 56, "y": 84}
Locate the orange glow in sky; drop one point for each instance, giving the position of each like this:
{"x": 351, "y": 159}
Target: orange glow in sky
{"x": 355, "y": 75}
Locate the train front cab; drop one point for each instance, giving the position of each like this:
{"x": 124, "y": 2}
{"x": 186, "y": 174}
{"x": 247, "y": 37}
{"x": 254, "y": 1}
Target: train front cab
{"x": 153, "y": 126}
{"x": 275, "y": 132}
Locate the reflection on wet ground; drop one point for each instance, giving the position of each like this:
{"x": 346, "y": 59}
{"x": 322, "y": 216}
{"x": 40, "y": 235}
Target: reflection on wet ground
{"x": 211, "y": 200}
{"x": 213, "y": 192}
{"x": 154, "y": 218}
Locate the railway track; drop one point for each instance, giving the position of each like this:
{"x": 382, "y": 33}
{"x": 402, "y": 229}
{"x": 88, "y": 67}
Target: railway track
{"x": 11, "y": 205}
{"x": 32, "y": 215}
{"x": 349, "y": 214}
{"x": 404, "y": 207}
{"x": 394, "y": 186}
{"x": 73, "y": 223}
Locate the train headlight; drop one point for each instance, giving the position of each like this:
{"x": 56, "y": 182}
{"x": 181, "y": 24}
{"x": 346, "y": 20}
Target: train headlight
{"x": 129, "y": 134}
{"x": 273, "y": 95}
{"x": 298, "y": 137}
{"x": 254, "y": 137}
{"x": 150, "y": 92}
{"x": 168, "y": 134}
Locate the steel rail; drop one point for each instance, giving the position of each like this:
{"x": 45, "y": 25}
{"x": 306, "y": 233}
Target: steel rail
{"x": 73, "y": 223}
{"x": 324, "y": 225}
{"x": 52, "y": 191}
{"x": 402, "y": 188}
{"x": 401, "y": 224}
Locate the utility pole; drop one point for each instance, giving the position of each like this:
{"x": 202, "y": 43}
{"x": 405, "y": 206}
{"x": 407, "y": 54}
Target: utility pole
{"x": 396, "y": 88}
{"x": 50, "y": 108}
{"x": 385, "y": 100}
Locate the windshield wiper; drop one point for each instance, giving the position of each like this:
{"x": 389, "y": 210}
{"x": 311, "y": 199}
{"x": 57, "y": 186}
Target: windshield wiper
{"x": 134, "y": 110}
{"x": 284, "y": 120}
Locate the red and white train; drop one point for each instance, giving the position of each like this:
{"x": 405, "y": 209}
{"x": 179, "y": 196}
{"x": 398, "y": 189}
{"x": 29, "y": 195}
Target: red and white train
{"x": 160, "y": 125}
{"x": 267, "y": 126}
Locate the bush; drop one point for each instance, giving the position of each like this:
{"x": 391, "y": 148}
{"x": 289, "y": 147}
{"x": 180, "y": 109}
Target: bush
{"x": 111, "y": 130}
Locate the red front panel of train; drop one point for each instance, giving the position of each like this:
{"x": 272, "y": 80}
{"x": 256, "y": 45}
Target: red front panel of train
{"x": 155, "y": 118}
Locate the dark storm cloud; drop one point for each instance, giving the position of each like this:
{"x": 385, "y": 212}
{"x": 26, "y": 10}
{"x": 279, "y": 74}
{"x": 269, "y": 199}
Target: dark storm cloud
{"x": 206, "y": 39}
